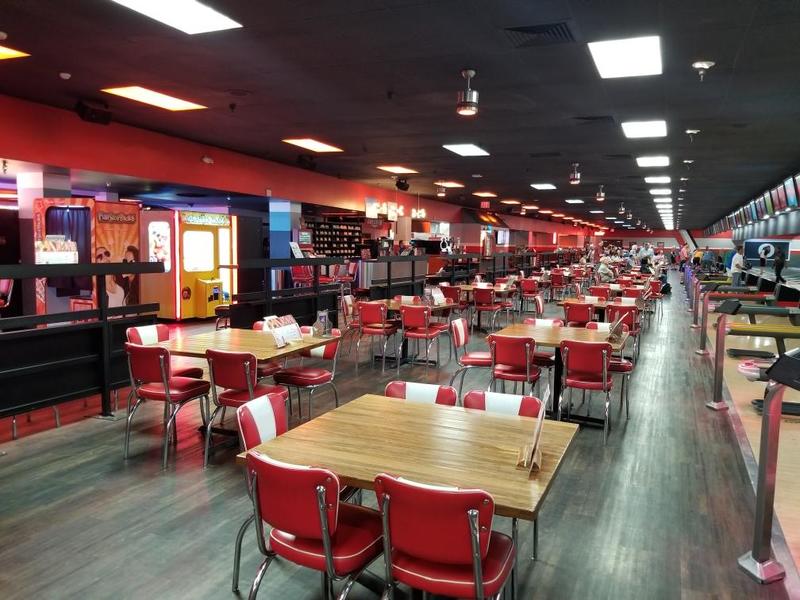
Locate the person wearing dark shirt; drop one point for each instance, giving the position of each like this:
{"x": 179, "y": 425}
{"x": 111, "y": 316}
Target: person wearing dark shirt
{"x": 779, "y": 263}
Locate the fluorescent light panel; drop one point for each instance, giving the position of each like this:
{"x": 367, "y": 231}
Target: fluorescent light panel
{"x": 466, "y": 149}
{"x": 484, "y": 194}
{"x": 652, "y": 161}
{"x": 630, "y": 57}
{"x": 543, "y": 186}
{"x": 658, "y": 179}
{"x": 596, "y": 212}
{"x": 663, "y": 200}
{"x": 312, "y": 145}
{"x": 644, "y": 129}
{"x": 448, "y": 184}
{"x": 153, "y": 98}
{"x": 530, "y": 207}
{"x": 660, "y": 191}
{"x": 189, "y": 16}
{"x": 398, "y": 169}
{"x": 510, "y": 202}
{"x": 573, "y": 201}
{"x": 6, "y": 53}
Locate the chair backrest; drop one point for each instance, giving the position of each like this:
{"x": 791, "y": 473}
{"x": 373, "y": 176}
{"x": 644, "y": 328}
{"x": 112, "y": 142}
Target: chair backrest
{"x": 415, "y": 316}
{"x": 430, "y": 522}
{"x": 372, "y": 313}
{"x": 148, "y": 364}
{"x": 459, "y": 333}
{"x": 352, "y": 268}
{"x": 348, "y": 303}
{"x": 483, "y": 296}
{"x": 326, "y": 352}
{"x": 422, "y": 393}
{"x": 655, "y": 286}
{"x": 507, "y": 404}
{"x": 628, "y": 313}
{"x": 453, "y": 294}
{"x": 285, "y": 496}
{"x": 600, "y": 291}
{"x": 6, "y": 287}
{"x": 261, "y": 419}
{"x": 529, "y": 286}
{"x": 632, "y": 293}
{"x": 299, "y": 273}
{"x": 232, "y": 370}
{"x": 585, "y": 358}
{"x": 511, "y": 350}
{"x": 147, "y": 334}
{"x": 408, "y": 299}
{"x": 543, "y": 322}
{"x": 582, "y": 312}
{"x": 556, "y": 278}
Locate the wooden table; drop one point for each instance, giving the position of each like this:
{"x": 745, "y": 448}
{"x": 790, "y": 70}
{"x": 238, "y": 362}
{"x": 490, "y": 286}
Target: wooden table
{"x": 395, "y": 305}
{"x": 260, "y": 343}
{"x": 601, "y": 305}
{"x": 428, "y": 443}
{"x": 468, "y": 288}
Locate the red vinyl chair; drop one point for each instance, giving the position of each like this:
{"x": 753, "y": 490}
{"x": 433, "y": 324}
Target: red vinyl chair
{"x": 376, "y": 324}
{"x": 453, "y": 294}
{"x": 558, "y": 283}
{"x": 601, "y": 291}
{"x": 237, "y": 373}
{"x": 630, "y": 316}
{"x": 621, "y": 365}
{"x": 312, "y": 378}
{"x": 506, "y": 404}
{"x": 513, "y": 360}
{"x": 529, "y": 290}
{"x": 415, "y": 324}
{"x": 484, "y": 302}
{"x": 655, "y": 296}
{"x": 440, "y": 540}
{"x": 545, "y": 359}
{"x": 350, "y": 319}
{"x": 632, "y": 293}
{"x": 587, "y": 368}
{"x": 421, "y": 393}
{"x": 310, "y": 526}
{"x": 152, "y": 379}
{"x": 459, "y": 333}
{"x": 578, "y": 314}
{"x": 260, "y": 421}
{"x": 267, "y": 368}
{"x": 6, "y": 287}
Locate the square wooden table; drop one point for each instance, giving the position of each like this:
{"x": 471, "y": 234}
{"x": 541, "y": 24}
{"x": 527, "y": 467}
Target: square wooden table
{"x": 551, "y": 337}
{"x": 428, "y": 443}
{"x": 260, "y": 343}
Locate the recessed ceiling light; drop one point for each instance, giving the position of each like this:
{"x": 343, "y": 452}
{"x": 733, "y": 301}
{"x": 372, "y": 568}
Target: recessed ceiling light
{"x": 596, "y": 212}
{"x": 312, "y": 145}
{"x": 573, "y": 201}
{"x": 477, "y": 175}
{"x": 398, "y": 169}
{"x": 660, "y": 191}
{"x": 6, "y": 53}
{"x": 543, "y": 186}
{"x": 618, "y": 221}
{"x": 611, "y": 218}
{"x": 684, "y": 179}
{"x": 644, "y": 129}
{"x": 558, "y": 215}
{"x": 466, "y": 149}
{"x": 652, "y": 161}
{"x": 545, "y": 211}
{"x": 530, "y": 207}
{"x": 510, "y": 202}
{"x": 687, "y": 161}
{"x": 681, "y": 191}
{"x": 484, "y": 194}
{"x": 630, "y": 57}
{"x": 153, "y": 98}
{"x": 658, "y": 179}
{"x": 448, "y": 184}
{"x": 662, "y": 200}
{"x": 189, "y": 16}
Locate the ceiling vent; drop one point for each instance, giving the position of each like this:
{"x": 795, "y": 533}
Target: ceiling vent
{"x": 545, "y": 34}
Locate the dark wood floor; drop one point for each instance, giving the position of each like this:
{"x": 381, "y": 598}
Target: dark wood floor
{"x": 662, "y": 512}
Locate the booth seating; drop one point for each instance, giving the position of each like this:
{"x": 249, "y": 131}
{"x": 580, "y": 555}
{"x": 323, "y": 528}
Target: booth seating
{"x": 439, "y": 540}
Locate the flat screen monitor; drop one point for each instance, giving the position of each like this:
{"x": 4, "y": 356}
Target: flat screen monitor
{"x": 791, "y": 193}
{"x": 753, "y": 211}
{"x": 781, "y": 205}
{"x": 759, "y": 207}
{"x": 769, "y": 206}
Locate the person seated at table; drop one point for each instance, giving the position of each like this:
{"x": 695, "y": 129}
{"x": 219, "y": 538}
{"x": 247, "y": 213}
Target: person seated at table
{"x": 604, "y": 272}
{"x": 645, "y": 267}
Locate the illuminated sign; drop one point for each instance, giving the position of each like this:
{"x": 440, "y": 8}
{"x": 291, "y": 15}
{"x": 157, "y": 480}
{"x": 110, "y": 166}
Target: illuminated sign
{"x": 209, "y": 219}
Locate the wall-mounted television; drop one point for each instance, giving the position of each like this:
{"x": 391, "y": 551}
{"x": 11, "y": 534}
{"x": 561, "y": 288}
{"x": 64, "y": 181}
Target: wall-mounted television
{"x": 791, "y": 193}
{"x": 781, "y": 205}
{"x": 753, "y": 211}
{"x": 769, "y": 206}
{"x": 760, "y": 208}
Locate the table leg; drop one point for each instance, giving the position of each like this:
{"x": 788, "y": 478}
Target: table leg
{"x": 558, "y": 370}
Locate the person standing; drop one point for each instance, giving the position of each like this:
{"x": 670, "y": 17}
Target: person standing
{"x": 762, "y": 256}
{"x": 707, "y": 260}
{"x": 779, "y": 263}
{"x": 737, "y": 266}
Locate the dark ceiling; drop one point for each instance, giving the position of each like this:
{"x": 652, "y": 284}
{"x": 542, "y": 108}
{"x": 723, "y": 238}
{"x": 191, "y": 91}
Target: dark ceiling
{"x": 379, "y": 79}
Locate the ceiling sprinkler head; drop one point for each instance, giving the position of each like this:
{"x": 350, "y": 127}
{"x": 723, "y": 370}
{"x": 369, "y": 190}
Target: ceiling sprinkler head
{"x": 702, "y": 67}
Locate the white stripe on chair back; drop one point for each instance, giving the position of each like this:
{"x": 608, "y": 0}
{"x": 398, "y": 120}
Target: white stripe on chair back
{"x": 421, "y": 393}
{"x": 148, "y": 334}
{"x": 460, "y": 331}
{"x": 507, "y": 404}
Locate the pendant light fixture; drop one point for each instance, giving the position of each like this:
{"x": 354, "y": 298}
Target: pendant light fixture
{"x": 601, "y": 195}
{"x": 575, "y": 175}
{"x": 418, "y": 213}
{"x": 629, "y": 216}
{"x": 441, "y": 192}
{"x": 621, "y": 208}
{"x": 468, "y": 99}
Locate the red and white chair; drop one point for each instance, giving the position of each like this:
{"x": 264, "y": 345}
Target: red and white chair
{"x": 421, "y": 393}
{"x": 312, "y": 378}
{"x": 506, "y": 404}
{"x": 558, "y": 284}
{"x": 631, "y": 317}
{"x": 621, "y": 365}
{"x": 529, "y": 290}
{"x": 350, "y": 319}
{"x": 440, "y": 540}
{"x": 416, "y": 324}
{"x": 587, "y": 368}
{"x": 578, "y": 314}
{"x": 601, "y": 291}
{"x": 152, "y": 379}
{"x": 484, "y": 301}
{"x": 237, "y": 373}
{"x": 260, "y": 421}
{"x": 459, "y": 334}
{"x": 310, "y": 526}
{"x": 513, "y": 360}
{"x": 375, "y": 323}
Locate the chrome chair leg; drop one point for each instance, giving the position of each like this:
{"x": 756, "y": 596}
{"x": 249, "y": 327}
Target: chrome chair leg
{"x": 335, "y": 395}
{"x": 128, "y": 427}
{"x": 207, "y": 450}
{"x": 237, "y": 552}
{"x": 606, "y": 419}
{"x": 262, "y": 570}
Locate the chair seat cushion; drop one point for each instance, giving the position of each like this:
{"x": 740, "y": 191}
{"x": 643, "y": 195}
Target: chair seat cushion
{"x": 511, "y": 373}
{"x": 268, "y": 368}
{"x": 457, "y": 581}
{"x": 433, "y": 330}
{"x": 587, "y": 382}
{"x": 303, "y": 376}
{"x": 237, "y": 398}
{"x": 358, "y": 540}
{"x": 476, "y": 359}
{"x": 377, "y": 329}
{"x": 620, "y": 365}
{"x": 491, "y": 307}
{"x": 193, "y": 372}
{"x": 180, "y": 389}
